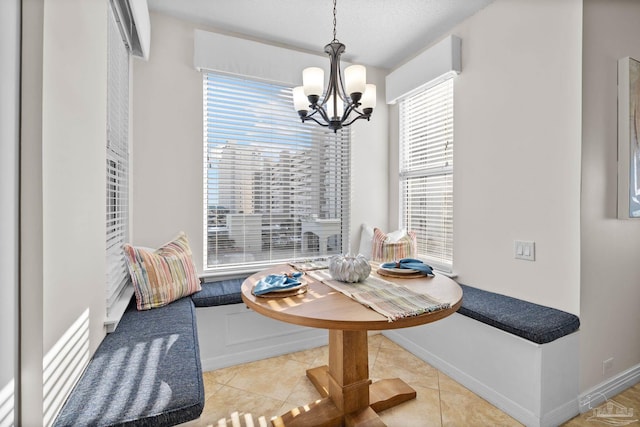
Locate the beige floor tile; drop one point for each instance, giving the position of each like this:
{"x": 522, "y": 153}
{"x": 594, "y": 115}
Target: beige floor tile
{"x": 210, "y": 384}
{"x": 629, "y": 398}
{"x": 309, "y": 357}
{"x": 229, "y": 399}
{"x": 274, "y": 386}
{"x": 470, "y": 410}
{"x": 424, "y": 410}
{"x": 223, "y": 375}
{"x": 394, "y": 363}
{"x": 274, "y": 377}
{"x": 387, "y": 343}
{"x": 445, "y": 383}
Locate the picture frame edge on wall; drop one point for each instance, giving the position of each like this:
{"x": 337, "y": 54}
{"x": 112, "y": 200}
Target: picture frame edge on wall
{"x": 628, "y": 138}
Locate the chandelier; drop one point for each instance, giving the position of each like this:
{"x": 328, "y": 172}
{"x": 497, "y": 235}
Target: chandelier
{"x": 338, "y": 107}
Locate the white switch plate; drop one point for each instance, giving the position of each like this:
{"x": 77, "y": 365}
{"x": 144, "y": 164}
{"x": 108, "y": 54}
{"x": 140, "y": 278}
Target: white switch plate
{"x": 524, "y": 250}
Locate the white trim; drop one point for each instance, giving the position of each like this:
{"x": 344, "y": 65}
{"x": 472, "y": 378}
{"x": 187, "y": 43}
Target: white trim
{"x": 232, "y": 334}
{"x": 432, "y": 66}
{"x": 117, "y": 309}
{"x": 608, "y": 389}
{"x": 240, "y": 57}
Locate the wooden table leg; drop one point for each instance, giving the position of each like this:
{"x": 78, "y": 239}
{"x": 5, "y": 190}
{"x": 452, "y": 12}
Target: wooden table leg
{"x": 349, "y": 397}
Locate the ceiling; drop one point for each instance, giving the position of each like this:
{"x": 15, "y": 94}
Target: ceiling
{"x": 381, "y": 33}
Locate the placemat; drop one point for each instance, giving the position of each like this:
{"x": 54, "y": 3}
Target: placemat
{"x": 389, "y": 299}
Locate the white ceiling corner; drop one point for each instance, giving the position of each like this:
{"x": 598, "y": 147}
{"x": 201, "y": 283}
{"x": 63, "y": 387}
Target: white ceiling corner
{"x": 380, "y": 33}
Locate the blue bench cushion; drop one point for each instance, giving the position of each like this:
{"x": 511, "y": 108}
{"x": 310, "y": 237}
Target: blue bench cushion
{"x": 531, "y": 321}
{"x": 146, "y": 373}
{"x": 218, "y": 293}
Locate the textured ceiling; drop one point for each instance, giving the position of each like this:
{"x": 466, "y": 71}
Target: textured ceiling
{"x": 382, "y": 33}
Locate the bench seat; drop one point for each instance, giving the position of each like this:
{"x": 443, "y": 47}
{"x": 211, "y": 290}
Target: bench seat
{"x": 520, "y": 356}
{"x": 145, "y": 373}
{"x": 222, "y": 292}
{"x": 530, "y": 321}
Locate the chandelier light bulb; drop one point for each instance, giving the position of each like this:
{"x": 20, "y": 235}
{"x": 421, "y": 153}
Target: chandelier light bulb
{"x": 355, "y": 78}
{"x": 313, "y": 81}
{"x": 300, "y": 100}
{"x": 369, "y": 97}
{"x": 335, "y": 115}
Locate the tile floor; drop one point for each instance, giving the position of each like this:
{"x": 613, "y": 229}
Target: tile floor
{"x": 276, "y": 385}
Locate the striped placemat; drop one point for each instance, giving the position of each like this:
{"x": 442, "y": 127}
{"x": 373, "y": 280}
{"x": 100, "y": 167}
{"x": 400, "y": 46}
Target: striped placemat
{"x": 310, "y": 264}
{"x": 389, "y": 299}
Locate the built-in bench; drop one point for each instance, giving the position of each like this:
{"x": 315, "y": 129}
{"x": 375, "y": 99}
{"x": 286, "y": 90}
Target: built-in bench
{"x": 530, "y": 321}
{"x": 520, "y": 356}
{"x": 148, "y": 371}
{"x": 145, "y": 373}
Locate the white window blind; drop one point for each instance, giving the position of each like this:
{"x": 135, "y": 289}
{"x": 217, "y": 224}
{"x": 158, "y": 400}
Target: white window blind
{"x": 426, "y": 171}
{"x": 117, "y": 194}
{"x": 275, "y": 189}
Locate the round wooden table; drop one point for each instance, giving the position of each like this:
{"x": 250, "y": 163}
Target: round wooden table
{"x": 348, "y": 395}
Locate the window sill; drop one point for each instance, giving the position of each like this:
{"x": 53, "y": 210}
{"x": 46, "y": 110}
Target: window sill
{"x": 114, "y": 314}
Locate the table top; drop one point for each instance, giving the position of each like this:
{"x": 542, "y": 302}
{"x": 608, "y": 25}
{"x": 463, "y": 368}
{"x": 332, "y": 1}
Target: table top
{"x": 323, "y": 307}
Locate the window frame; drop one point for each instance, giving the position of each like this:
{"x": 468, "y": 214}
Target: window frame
{"x": 288, "y": 118}
{"x": 118, "y": 290}
{"x": 429, "y": 170}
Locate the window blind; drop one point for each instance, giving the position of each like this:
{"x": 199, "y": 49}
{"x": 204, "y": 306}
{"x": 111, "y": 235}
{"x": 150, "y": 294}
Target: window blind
{"x": 275, "y": 189}
{"x": 117, "y": 167}
{"x": 426, "y": 171}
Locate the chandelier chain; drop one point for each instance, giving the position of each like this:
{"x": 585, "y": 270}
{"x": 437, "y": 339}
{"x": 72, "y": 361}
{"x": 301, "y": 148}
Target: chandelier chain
{"x": 334, "y": 21}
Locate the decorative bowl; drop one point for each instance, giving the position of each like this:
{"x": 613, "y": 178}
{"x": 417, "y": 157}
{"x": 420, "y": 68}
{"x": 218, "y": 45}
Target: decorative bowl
{"x": 349, "y": 268}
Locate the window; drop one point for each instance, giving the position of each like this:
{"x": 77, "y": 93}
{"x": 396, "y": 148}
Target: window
{"x": 426, "y": 171}
{"x": 275, "y": 189}
{"x": 117, "y": 166}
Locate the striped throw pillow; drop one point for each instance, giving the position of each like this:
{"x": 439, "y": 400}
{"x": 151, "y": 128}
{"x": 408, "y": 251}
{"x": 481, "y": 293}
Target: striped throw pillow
{"x": 385, "y": 249}
{"x": 164, "y": 275}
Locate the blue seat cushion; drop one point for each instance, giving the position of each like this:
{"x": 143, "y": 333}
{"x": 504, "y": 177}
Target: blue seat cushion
{"x": 221, "y": 292}
{"x": 145, "y": 373}
{"x": 531, "y": 321}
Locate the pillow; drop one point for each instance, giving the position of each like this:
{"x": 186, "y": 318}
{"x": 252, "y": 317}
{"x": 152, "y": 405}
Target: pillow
{"x": 393, "y": 246}
{"x": 164, "y": 275}
{"x": 396, "y": 236}
{"x": 366, "y": 241}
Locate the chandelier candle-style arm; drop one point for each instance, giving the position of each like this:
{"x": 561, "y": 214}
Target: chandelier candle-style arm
{"x": 340, "y": 100}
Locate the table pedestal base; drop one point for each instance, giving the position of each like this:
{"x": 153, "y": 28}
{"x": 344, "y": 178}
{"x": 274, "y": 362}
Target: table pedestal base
{"x": 383, "y": 394}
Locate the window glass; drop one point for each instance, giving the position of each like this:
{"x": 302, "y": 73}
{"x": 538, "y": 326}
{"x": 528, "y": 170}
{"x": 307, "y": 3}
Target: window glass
{"x": 426, "y": 171}
{"x": 275, "y": 189}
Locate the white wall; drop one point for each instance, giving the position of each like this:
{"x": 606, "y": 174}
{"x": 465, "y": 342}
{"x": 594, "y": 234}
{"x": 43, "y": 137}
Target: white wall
{"x": 610, "y": 267}
{"x": 9, "y": 199}
{"x": 31, "y": 289}
{"x": 167, "y": 153}
{"x": 74, "y": 163}
{"x": 63, "y": 176}
{"x": 517, "y": 150}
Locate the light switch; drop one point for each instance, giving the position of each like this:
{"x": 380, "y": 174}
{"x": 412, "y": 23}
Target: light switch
{"x": 525, "y": 250}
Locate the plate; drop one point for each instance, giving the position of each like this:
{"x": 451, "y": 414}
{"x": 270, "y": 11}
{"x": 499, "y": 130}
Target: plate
{"x": 403, "y": 275}
{"x": 399, "y": 270}
{"x": 284, "y": 293}
{"x": 293, "y": 288}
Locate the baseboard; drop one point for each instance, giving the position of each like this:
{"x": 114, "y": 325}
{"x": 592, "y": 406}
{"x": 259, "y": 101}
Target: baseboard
{"x": 608, "y": 389}
{"x": 561, "y": 414}
{"x": 263, "y": 352}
